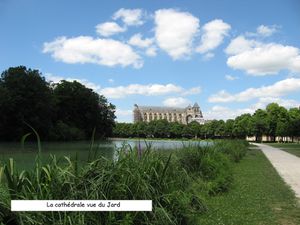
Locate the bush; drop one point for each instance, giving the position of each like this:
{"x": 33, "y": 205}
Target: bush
{"x": 208, "y": 163}
{"x": 175, "y": 182}
{"x": 150, "y": 176}
{"x": 235, "y": 149}
{"x": 65, "y": 132}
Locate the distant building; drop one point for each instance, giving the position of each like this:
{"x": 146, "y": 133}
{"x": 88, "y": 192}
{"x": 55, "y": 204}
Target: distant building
{"x": 171, "y": 114}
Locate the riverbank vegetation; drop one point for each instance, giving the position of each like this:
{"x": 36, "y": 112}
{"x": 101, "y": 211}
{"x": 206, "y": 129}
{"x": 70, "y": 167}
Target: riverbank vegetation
{"x": 274, "y": 121}
{"x": 58, "y": 111}
{"x": 178, "y": 182}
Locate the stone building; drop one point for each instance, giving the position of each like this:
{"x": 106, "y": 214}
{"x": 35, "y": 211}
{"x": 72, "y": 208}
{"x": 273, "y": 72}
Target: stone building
{"x": 171, "y": 114}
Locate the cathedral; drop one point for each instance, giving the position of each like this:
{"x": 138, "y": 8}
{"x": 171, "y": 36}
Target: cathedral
{"x": 171, "y": 114}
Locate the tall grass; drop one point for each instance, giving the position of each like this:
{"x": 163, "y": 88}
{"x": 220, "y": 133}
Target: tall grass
{"x": 176, "y": 182}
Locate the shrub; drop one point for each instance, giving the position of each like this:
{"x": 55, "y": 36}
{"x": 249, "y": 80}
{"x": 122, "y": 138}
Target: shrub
{"x": 209, "y": 164}
{"x": 174, "y": 182}
{"x": 151, "y": 176}
{"x": 235, "y": 149}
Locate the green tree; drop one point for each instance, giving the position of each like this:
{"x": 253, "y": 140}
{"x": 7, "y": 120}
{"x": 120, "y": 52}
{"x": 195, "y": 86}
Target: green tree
{"x": 294, "y": 123}
{"x": 176, "y": 129}
{"x": 228, "y": 128}
{"x": 79, "y": 107}
{"x": 139, "y": 129}
{"x": 194, "y": 129}
{"x": 275, "y": 114}
{"x": 243, "y": 126}
{"x": 25, "y": 97}
{"x": 159, "y": 128}
{"x": 260, "y": 123}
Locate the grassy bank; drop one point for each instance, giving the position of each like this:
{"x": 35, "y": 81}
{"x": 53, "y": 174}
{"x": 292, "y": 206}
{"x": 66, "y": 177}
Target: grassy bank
{"x": 292, "y": 148}
{"x": 258, "y": 196}
{"x": 178, "y": 182}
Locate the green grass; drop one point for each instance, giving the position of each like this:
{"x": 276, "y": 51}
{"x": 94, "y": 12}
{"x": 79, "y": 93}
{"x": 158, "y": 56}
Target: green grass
{"x": 258, "y": 196}
{"x": 176, "y": 181}
{"x": 292, "y": 148}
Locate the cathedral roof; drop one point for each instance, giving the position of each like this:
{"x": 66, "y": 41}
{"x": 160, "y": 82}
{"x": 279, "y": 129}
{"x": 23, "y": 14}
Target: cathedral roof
{"x": 196, "y": 105}
{"x": 160, "y": 109}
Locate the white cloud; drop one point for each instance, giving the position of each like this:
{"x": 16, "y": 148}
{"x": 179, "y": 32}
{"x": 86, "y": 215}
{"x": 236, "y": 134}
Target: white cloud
{"x": 122, "y": 112}
{"x": 208, "y": 56}
{"x": 287, "y": 103}
{"x": 111, "y": 81}
{"x": 260, "y": 59}
{"x": 136, "y": 40}
{"x": 124, "y": 115}
{"x": 214, "y": 33}
{"x": 175, "y": 31}
{"x": 147, "y": 90}
{"x": 221, "y": 112}
{"x": 266, "y": 30}
{"x": 151, "y": 51}
{"x": 131, "y": 17}
{"x": 266, "y": 59}
{"x": 109, "y": 28}
{"x": 139, "y": 89}
{"x": 240, "y": 44}
{"x": 277, "y": 89}
{"x": 85, "y": 49}
{"x": 56, "y": 79}
{"x": 192, "y": 91}
{"x": 263, "y": 31}
{"x": 176, "y": 102}
{"x": 230, "y": 77}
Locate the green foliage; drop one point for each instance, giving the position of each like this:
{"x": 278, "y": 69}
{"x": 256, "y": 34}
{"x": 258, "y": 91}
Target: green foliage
{"x": 236, "y": 149}
{"x": 25, "y": 96}
{"x": 177, "y": 184}
{"x": 274, "y": 121}
{"x": 210, "y": 164}
{"x": 63, "y": 111}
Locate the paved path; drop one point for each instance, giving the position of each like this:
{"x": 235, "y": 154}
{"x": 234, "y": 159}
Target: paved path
{"x": 286, "y": 164}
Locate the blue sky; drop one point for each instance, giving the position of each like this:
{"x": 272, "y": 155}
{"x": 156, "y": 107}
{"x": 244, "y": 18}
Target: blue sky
{"x": 231, "y": 57}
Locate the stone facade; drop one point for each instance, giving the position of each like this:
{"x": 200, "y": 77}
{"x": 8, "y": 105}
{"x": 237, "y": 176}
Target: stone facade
{"x": 171, "y": 114}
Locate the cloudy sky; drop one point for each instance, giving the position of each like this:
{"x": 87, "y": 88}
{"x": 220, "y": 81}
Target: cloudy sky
{"x": 230, "y": 56}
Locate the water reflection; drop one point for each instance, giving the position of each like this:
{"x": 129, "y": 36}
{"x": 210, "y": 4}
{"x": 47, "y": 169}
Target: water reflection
{"x": 25, "y": 157}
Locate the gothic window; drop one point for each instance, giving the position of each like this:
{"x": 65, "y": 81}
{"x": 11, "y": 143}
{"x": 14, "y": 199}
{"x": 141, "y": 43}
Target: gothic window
{"x": 189, "y": 119}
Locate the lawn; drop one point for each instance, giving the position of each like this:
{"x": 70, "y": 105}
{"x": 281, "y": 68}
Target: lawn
{"x": 292, "y": 148}
{"x": 259, "y": 196}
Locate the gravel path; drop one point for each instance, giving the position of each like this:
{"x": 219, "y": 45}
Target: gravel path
{"x": 286, "y": 164}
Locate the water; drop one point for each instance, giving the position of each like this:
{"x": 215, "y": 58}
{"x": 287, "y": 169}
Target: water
{"x": 25, "y": 157}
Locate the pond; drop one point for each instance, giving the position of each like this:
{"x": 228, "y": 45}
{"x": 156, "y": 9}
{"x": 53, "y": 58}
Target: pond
{"x": 25, "y": 156}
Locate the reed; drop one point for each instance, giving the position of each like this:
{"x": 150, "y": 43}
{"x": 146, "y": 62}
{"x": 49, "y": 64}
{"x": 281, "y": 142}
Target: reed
{"x": 176, "y": 181}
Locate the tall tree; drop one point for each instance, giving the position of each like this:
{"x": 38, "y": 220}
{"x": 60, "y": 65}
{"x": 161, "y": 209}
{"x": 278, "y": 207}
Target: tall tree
{"x": 294, "y": 123}
{"x": 79, "y": 107}
{"x": 260, "y": 124}
{"x": 275, "y": 114}
{"x": 25, "y": 97}
{"x": 228, "y": 129}
{"x": 243, "y": 126}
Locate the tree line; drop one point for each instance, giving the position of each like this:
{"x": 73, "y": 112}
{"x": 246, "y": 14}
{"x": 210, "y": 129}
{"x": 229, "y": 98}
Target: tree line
{"x": 273, "y": 121}
{"x": 57, "y": 111}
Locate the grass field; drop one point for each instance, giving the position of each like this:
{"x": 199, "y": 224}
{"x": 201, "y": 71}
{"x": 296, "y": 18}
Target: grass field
{"x": 258, "y": 196}
{"x": 292, "y": 148}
